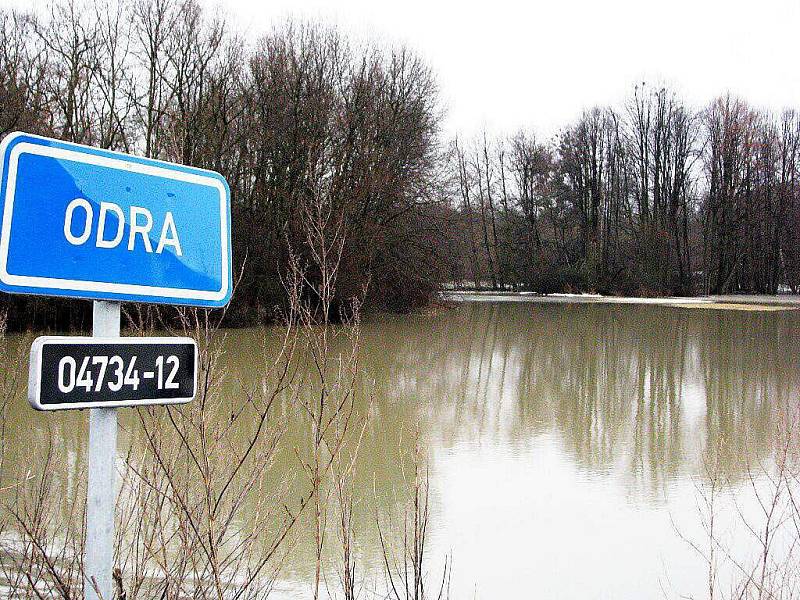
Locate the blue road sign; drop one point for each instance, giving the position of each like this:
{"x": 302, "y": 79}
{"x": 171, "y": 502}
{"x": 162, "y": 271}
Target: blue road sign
{"x": 88, "y": 223}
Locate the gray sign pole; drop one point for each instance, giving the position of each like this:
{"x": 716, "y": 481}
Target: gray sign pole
{"x": 100, "y": 496}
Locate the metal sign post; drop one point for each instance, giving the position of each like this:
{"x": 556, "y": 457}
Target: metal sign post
{"x": 100, "y": 493}
{"x": 83, "y": 222}
{"x": 102, "y": 373}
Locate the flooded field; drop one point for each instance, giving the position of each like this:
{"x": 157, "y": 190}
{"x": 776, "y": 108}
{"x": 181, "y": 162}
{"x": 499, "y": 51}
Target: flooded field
{"x": 566, "y": 443}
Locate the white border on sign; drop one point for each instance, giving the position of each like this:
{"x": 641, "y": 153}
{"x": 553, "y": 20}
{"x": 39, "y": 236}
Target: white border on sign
{"x": 100, "y": 286}
{"x": 35, "y": 370}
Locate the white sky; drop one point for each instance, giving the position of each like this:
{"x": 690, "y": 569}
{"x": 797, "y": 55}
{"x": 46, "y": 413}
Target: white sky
{"x": 504, "y": 64}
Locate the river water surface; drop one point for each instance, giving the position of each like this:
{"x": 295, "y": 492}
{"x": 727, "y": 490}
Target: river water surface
{"x": 566, "y": 442}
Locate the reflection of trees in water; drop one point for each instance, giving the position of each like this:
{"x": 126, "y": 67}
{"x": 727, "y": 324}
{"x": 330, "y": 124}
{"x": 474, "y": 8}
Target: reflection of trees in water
{"x": 749, "y": 371}
{"x": 611, "y": 384}
{"x": 642, "y": 389}
{"x": 638, "y": 390}
{"x": 605, "y": 378}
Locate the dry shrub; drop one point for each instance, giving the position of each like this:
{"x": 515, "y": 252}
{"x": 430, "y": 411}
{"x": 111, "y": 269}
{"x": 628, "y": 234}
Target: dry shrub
{"x": 406, "y": 560}
{"x": 763, "y": 504}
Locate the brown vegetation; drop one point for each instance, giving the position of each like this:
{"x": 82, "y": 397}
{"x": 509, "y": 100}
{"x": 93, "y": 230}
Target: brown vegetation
{"x": 652, "y": 199}
{"x": 300, "y": 108}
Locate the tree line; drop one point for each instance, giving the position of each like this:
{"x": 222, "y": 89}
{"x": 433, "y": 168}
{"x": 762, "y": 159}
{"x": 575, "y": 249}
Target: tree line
{"x": 299, "y": 116}
{"x": 650, "y": 198}
{"x": 653, "y": 198}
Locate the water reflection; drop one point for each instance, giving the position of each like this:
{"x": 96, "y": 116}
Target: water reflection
{"x": 639, "y": 388}
{"x": 596, "y": 417}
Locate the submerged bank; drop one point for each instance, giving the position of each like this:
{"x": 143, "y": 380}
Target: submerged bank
{"x": 731, "y": 302}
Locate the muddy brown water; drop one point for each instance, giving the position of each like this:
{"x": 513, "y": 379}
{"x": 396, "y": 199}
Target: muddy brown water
{"x": 565, "y": 442}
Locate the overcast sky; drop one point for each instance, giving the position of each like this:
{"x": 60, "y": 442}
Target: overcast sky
{"x": 503, "y": 64}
